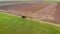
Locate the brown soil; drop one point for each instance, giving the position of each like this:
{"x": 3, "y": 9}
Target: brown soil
{"x": 46, "y": 11}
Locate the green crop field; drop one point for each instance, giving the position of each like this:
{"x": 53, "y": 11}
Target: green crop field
{"x": 16, "y": 25}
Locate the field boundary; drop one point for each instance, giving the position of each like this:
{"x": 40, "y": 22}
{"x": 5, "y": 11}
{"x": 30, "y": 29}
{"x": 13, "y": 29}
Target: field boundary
{"x": 46, "y": 22}
{"x": 33, "y": 19}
